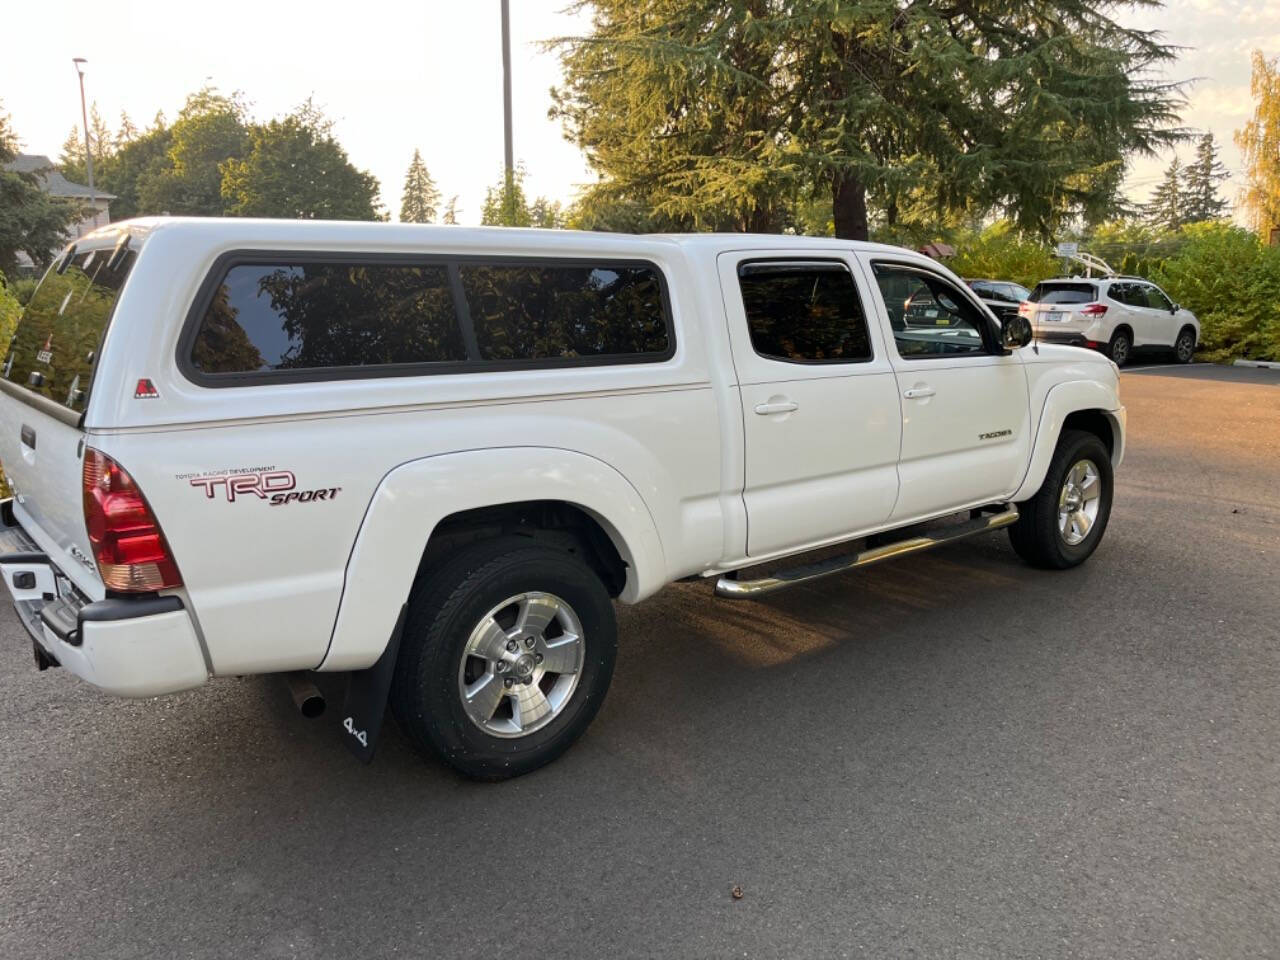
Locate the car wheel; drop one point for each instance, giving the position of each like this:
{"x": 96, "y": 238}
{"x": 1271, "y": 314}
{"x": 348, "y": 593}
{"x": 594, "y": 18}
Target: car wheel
{"x": 506, "y": 657}
{"x": 1185, "y": 346}
{"x": 1063, "y": 523}
{"x": 1120, "y": 348}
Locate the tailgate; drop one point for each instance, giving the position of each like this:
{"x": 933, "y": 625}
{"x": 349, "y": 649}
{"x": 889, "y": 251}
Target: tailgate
{"x": 41, "y": 458}
{"x": 44, "y": 389}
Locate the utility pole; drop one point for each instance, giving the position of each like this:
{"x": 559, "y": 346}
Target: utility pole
{"x": 506, "y": 88}
{"x": 88, "y": 152}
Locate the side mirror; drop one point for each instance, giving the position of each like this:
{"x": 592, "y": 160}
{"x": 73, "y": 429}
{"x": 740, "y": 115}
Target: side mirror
{"x": 1175, "y": 308}
{"x": 1016, "y": 332}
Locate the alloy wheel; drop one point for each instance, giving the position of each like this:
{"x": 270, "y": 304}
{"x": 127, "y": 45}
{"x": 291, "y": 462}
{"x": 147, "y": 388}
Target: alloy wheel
{"x": 521, "y": 664}
{"x": 1078, "y": 501}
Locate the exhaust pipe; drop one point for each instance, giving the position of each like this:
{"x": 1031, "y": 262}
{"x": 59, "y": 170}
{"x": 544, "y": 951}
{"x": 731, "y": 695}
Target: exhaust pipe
{"x": 308, "y": 699}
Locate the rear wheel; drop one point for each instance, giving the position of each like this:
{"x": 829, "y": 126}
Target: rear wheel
{"x": 1121, "y": 347}
{"x": 507, "y": 654}
{"x": 1063, "y": 523}
{"x": 1184, "y": 348}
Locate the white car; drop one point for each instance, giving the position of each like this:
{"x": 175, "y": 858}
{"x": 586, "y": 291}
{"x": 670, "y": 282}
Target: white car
{"x": 1117, "y": 315}
{"x": 430, "y": 458}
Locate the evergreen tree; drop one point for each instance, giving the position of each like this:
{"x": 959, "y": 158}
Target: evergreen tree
{"x": 546, "y": 214}
{"x": 451, "y": 211}
{"x": 71, "y": 157}
{"x": 100, "y": 138}
{"x": 1200, "y": 190}
{"x": 1166, "y": 210}
{"x": 211, "y": 130}
{"x": 421, "y": 199}
{"x": 505, "y": 204}
{"x": 31, "y": 221}
{"x": 295, "y": 169}
{"x": 1259, "y": 141}
{"x": 142, "y": 159}
{"x": 127, "y": 132}
{"x": 722, "y": 113}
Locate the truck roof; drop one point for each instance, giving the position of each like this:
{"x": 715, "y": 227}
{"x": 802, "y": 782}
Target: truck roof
{"x": 307, "y": 233}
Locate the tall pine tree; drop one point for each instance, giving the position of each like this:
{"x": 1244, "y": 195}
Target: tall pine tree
{"x": 723, "y": 113}
{"x": 1200, "y": 189}
{"x": 1259, "y": 141}
{"x": 421, "y": 198}
{"x": 1166, "y": 210}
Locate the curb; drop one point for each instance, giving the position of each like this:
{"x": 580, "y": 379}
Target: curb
{"x": 1264, "y": 364}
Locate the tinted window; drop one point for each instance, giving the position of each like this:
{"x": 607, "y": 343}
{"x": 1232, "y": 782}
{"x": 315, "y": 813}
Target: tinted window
{"x": 55, "y": 345}
{"x": 1018, "y": 292}
{"x": 929, "y": 316}
{"x": 540, "y": 312}
{"x": 1121, "y": 293}
{"x": 306, "y": 315}
{"x": 1063, "y": 293}
{"x": 1156, "y": 300}
{"x": 982, "y": 288}
{"x": 804, "y": 312}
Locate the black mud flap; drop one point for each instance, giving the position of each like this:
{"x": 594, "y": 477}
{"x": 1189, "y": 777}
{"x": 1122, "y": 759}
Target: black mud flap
{"x": 366, "y": 701}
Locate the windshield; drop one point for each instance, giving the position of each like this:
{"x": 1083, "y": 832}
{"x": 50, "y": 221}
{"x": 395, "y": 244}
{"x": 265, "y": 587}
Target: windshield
{"x": 1063, "y": 293}
{"x": 55, "y": 346}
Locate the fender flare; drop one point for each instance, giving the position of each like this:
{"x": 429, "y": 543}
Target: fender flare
{"x": 414, "y": 497}
{"x": 1061, "y": 401}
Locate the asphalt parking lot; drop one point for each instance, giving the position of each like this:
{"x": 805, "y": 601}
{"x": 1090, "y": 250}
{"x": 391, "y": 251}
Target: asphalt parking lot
{"x": 953, "y": 756}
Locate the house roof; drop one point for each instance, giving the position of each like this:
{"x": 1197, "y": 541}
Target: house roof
{"x": 52, "y": 180}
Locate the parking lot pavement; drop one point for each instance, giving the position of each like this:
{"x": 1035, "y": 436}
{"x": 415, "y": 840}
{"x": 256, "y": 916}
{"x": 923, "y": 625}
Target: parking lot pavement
{"x": 953, "y": 756}
{"x": 1208, "y": 371}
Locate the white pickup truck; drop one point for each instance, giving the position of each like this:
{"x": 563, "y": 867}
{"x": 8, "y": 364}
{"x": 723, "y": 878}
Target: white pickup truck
{"x": 431, "y": 457}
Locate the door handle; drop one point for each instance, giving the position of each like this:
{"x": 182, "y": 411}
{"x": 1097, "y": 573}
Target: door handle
{"x": 915, "y": 393}
{"x": 779, "y": 406}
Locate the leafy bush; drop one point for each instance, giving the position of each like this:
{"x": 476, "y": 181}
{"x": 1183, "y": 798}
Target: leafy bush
{"x": 1231, "y": 281}
{"x": 1000, "y": 253}
{"x": 10, "y": 311}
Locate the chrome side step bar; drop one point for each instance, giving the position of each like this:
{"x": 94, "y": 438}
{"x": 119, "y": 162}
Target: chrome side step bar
{"x": 749, "y": 589}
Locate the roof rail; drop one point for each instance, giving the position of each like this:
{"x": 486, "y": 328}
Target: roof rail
{"x": 1092, "y": 263}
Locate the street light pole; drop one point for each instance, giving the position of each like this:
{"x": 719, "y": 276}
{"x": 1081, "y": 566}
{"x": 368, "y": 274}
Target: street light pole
{"x": 506, "y": 86}
{"x": 88, "y": 153}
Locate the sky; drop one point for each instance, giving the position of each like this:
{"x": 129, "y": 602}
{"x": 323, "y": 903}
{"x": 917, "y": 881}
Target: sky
{"x": 398, "y": 75}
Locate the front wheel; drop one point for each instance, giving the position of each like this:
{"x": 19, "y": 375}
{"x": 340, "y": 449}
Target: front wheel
{"x": 1120, "y": 348}
{"x": 506, "y": 657}
{"x": 1184, "y": 348}
{"x": 1063, "y": 523}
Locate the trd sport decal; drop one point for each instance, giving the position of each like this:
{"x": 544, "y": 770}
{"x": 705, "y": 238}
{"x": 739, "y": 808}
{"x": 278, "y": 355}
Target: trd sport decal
{"x": 277, "y": 487}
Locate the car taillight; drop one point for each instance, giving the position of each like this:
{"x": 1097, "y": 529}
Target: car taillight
{"x": 128, "y": 546}
{"x": 1094, "y": 310}
{"x": 1024, "y": 308}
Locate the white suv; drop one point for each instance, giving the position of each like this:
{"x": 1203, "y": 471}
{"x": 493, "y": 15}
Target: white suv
{"x": 1117, "y": 315}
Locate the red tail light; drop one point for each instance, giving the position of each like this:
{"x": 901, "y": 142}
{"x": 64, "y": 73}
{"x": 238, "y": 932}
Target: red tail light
{"x": 1094, "y": 310}
{"x": 128, "y": 546}
{"x": 1024, "y": 308}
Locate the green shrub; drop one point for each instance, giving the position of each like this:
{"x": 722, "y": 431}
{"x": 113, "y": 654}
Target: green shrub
{"x": 10, "y": 311}
{"x": 1231, "y": 281}
{"x": 999, "y": 253}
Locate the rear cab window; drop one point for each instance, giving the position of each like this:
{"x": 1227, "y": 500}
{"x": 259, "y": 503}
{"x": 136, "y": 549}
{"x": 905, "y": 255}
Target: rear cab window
{"x": 804, "y": 312}
{"x": 285, "y": 318}
{"x": 1061, "y": 292}
{"x": 54, "y": 350}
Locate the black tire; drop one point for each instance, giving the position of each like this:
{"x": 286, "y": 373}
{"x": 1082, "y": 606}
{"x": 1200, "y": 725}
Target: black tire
{"x": 1184, "y": 348}
{"x": 1036, "y": 535}
{"x": 444, "y": 609}
{"x": 1120, "y": 349}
